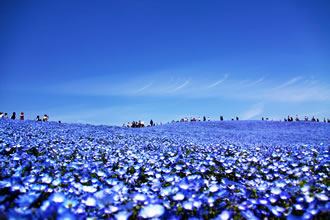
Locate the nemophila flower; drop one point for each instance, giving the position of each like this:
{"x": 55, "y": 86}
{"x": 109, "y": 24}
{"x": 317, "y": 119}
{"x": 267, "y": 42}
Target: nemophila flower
{"x": 322, "y": 197}
{"x": 178, "y": 197}
{"x": 58, "y": 197}
{"x": 46, "y": 179}
{"x": 152, "y": 211}
{"x": 111, "y": 209}
{"x": 89, "y": 189}
{"x": 90, "y": 201}
{"x": 299, "y": 206}
{"x": 123, "y": 215}
{"x": 139, "y": 197}
{"x": 276, "y": 191}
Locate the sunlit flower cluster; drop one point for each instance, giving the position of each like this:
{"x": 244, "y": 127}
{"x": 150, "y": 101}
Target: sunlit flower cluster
{"x": 212, "y": 170}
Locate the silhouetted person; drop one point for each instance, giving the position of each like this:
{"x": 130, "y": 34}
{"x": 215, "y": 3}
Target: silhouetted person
{"x": 45, "y": 118}
{"x": 38, "y": 118}
{"x": 237, "y": 118}
{"x": 262, "y": 118}
{"x": 13, "y": 116}
{"x": 204, "y": 118}
{"x": 221, "y": 118}
{"x": 21, "y": 117}
{"x": 151, "y": 123}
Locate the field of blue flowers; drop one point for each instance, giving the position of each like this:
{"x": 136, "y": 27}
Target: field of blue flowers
{"x": 193, "y": 170}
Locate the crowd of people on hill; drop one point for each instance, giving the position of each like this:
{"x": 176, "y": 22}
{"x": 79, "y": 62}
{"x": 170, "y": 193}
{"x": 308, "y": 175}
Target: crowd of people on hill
{"x": 186, "y": 119}
{"x": 135, "y": 124}
{"x": 199, "y": 119}
{"x": 204, "y": 118}
{"x": 139, "y": 124}
{"x": 13, "y": 116}
{"x": 290, "y": 118}
{"x": 45, "y": 118}
{"x": 306, "y": 119}
{"x": 21, "y": 117}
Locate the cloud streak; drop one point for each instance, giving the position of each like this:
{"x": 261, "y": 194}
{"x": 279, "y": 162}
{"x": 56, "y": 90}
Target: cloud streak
{"x": 294, "y": 90}
{"x": 253, "y": 83}
{"x": 290, "y": 82}
{"x": 218, "y": 82}
{"x": 144, "y": 88}
{"x": 181, "y": 86}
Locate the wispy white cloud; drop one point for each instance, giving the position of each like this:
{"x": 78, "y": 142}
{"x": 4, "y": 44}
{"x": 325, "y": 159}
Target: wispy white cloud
{"x": 290, "y": 82}
{"x": 256, "y": 82}
{"x": 294, "y": 90}
{"x": 181, "y": 86}
{"x": 254, "y": 111}
{"x": 143, "y": 88}
{"x": 218, "y": 82}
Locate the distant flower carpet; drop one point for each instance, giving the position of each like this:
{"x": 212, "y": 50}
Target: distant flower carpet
{"x": 196, "y": 170}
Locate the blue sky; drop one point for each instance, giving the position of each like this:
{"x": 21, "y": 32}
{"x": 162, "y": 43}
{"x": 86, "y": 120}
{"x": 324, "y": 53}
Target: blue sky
{"x": 110, "y": 62}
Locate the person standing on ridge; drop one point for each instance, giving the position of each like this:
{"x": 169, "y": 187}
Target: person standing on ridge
{"x": 45, "y": 118}
{"x": 21, "y": 117}
{"x": 13, "y": 116}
